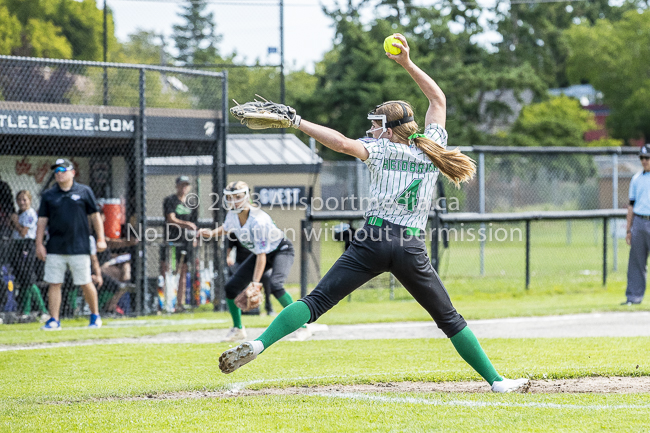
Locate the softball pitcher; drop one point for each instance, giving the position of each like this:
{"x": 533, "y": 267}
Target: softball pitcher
{"x": 404, "y": 166}
{"x": 257, "y": 232}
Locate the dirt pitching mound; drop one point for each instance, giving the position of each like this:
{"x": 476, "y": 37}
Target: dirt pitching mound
{"x": 596, "y": 385}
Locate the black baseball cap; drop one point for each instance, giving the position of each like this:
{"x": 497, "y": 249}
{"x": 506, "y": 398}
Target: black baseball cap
{"x": 62, "y": 162}
{"x": 644, "y": 151}
{"x": 182, "y": 179}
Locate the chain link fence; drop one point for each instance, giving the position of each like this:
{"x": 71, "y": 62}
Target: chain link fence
{"x": 108, "y": 120}
{"x": 513, "y": 180}
{"x": 563, "y": 254}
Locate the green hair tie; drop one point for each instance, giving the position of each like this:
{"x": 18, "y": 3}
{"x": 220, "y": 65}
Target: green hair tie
{"x": 412, "y": 136}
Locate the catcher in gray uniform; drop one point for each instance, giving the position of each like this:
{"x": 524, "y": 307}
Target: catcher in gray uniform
{"x": 404, "y": 167}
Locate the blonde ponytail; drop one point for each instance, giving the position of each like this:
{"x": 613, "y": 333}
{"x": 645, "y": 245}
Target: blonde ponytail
{"x": 456, "y": 166}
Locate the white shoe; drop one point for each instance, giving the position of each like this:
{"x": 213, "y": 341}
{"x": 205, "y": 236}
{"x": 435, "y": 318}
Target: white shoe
{"x": 235, "y": 334}
{"x": 232, "y": 359}
{"x": 511, "y": 385}
{"x": 300, "y": 334}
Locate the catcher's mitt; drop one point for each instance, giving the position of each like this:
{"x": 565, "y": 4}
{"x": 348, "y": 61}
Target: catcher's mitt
{"x": 264, "y": 115}
{"x": 250, "y": 298}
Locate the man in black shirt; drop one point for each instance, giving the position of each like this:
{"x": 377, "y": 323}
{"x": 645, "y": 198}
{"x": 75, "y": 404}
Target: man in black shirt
{"x": 64, "y": 211}
{"x": 180, "y": 219}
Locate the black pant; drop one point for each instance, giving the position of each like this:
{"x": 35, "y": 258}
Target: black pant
{"x": 23, "y": 262}
{"x": 389, "y": 248}
{"x": 279, "y": 261}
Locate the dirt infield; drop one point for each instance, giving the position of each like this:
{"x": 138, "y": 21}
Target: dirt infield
{"x": 622, "y": 324}
{"x": 595, "y": 385}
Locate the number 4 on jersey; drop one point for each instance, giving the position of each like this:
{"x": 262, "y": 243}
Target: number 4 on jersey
{"x": 409, "y": 197}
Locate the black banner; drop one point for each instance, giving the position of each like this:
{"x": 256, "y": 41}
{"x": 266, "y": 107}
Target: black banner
{"x": 103, "y": 125}
{"x": 279, "y": 195}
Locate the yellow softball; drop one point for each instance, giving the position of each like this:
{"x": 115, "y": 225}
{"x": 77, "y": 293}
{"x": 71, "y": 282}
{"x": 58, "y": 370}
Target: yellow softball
{"x": 388, "y": 45}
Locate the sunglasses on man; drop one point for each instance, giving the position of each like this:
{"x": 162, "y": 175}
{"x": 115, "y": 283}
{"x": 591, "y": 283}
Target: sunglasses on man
{"x": 62, "y": 169}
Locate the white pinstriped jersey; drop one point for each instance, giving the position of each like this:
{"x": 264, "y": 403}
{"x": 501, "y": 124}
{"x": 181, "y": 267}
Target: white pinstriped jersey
{"x": 402, "y": 179}
{"x": 259, "y": 234}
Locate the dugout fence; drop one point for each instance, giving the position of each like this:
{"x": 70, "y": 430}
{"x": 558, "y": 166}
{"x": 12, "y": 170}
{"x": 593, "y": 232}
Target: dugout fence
{"x": 108, "y": 119}
{"x": 515, "y": 181}
{"x": 527, "y": 251}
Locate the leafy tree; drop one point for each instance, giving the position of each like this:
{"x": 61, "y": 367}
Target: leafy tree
{"x": 560, "y": 121}
{"x": 143, "y": 47}
{"x": 196, "y": 38}
{"x": 557, "y": 122}
{"x": 59, "y": 28}
{"x": 49, "y": 28}
{"x": 163, "y": 90}
{"x": 10, "y": 30}
{"x": 82, "y": 24}
{"x": 44, "y": 39}
{"x": 532, "y": 32}
{"x": 615, "y": 58}
{"x": 356, "y": 75}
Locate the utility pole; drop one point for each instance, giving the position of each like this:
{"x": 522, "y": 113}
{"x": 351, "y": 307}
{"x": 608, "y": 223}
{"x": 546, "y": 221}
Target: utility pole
{"x": 105, "y": 55}
{"x": 282, "y": 92}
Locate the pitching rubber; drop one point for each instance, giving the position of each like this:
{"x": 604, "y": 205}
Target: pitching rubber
{"x": 232, "y": 359}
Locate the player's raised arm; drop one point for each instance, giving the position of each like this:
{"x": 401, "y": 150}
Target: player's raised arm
{"x": 437, "y": 112}
{"x": 334, "y": 140}
{"x": 268, "y": 114}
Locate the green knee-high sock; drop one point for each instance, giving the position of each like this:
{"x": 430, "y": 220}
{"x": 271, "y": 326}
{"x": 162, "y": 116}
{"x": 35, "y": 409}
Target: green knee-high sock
{"x": 285, "y": 299}
{"x": 290, "y": 318}
{"x": 471, "y": 351}
{"x": 235, "y": 312}
{"x": 39, "y": 298}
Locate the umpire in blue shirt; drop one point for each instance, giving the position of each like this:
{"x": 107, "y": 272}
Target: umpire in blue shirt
{"x": 64, "y": 211}
{"x": 638, "y": 231}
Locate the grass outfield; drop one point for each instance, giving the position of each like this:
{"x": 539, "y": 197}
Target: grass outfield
{"x": 367, "y": 306}
{"x": 566, "y": 279}
{"x": 403, "y": 412}
{"x": 72, "y": 377}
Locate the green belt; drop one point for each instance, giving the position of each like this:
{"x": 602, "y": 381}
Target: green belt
{"x": 378, "y": 222}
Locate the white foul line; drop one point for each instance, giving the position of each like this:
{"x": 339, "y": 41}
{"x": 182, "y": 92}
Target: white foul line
{"x": 413, "y": 400}
{"x": 240, "y": 386}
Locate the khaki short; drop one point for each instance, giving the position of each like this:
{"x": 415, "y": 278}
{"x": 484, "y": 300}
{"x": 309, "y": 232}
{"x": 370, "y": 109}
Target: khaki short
{"x": 56, "y": 265}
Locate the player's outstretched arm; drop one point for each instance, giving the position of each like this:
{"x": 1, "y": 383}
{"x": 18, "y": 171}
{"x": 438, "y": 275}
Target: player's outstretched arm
{"x": 334, "y": 140}
{"x": 437, "y": 112}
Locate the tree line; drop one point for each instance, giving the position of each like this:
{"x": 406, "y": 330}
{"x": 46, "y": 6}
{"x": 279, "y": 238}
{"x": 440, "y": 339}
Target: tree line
{"x": 540, "y": 45}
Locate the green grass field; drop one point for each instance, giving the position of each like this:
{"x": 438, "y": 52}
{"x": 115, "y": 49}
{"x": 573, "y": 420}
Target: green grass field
{"x": 562, "y": 254}
{"x": 124, "y": 387}
{"x": 559, "y": 285}
{"x": 57, "y": 389}
{"x": 367, "y": 306}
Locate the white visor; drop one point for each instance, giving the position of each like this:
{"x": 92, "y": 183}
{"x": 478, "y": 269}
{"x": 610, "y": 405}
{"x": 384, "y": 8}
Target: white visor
{"x": 234, "y": 204}
{"x": 381, "y": 117}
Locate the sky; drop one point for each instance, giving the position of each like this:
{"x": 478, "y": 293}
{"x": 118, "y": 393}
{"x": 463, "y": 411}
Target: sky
{"x": 248, "y": 27}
